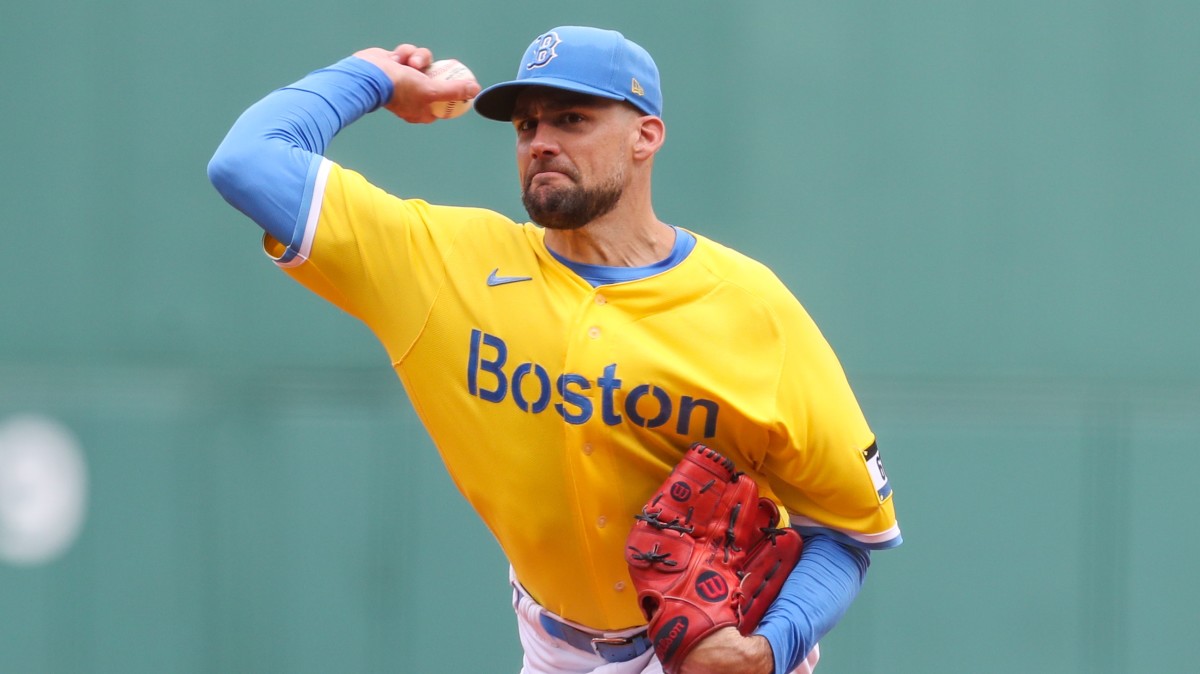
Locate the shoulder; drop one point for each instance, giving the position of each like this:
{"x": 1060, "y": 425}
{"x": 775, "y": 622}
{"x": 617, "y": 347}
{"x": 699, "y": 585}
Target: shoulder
{"x": 749, "y": 289}
{"x": 744, "y": 275}
{"x": 347, "y": 189}
{"x": 736, "y": 267}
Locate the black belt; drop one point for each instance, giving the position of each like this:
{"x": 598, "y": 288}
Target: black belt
{"x": 612, "y": 649}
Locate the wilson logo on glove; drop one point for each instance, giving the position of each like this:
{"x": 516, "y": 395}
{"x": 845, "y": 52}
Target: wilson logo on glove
{"x": 710, "y": 556}
{"x": 711, "y": 586}
{"x": 668, "y": 637}
{"x": 681, "y": 491}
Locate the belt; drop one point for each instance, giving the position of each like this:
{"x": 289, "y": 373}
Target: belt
{"x": 612, "y": 649}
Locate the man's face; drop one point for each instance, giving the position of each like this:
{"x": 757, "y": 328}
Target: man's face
{"x": 573, "y": 155}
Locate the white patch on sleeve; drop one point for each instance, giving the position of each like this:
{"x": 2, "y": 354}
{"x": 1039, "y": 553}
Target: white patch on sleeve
{"x": 875, "y": 468}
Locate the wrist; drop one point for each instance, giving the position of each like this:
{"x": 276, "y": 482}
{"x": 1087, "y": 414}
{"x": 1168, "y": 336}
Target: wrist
{"x": 760, "y": 654}
{"x": 728, "y": 652}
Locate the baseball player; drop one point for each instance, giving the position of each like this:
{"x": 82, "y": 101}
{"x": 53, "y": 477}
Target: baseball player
{"x": 563, "y": 366}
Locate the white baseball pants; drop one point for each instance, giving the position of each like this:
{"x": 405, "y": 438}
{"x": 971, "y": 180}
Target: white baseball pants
{"x": 545, "y": 654}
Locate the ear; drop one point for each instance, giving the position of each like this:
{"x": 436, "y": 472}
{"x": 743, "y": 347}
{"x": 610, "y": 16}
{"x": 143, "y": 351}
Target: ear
{"x": 651, "y": 132}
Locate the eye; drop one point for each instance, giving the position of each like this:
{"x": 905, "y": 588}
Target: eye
{"x": 572, "y": 118}
{"x": 524, "y": 125}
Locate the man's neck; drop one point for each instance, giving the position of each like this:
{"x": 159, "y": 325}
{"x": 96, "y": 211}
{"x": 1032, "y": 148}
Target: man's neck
{"x": 614, "y": 241}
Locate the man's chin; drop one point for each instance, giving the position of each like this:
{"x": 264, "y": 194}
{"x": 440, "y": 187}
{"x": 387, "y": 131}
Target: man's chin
{"x": 555, "y": 220}
{"x": 549, "y": 208}
{"x": 565, "y": 208}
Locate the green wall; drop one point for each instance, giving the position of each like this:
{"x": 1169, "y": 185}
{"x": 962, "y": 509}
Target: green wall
{"x": 990, "y": 209}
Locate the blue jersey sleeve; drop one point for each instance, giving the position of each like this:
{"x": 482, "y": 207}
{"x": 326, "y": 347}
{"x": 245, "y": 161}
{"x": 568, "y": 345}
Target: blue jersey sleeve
{"x": 266, "y": 165}
{"x": 813, "y": 598}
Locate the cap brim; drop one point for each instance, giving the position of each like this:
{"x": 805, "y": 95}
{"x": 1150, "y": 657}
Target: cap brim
{"x": 497, "y": 101}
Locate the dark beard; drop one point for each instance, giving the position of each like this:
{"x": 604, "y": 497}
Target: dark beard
{"x": 571, "y": 207}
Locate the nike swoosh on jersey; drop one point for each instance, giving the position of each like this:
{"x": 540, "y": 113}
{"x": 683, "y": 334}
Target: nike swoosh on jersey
{"x": 494, "y": 279}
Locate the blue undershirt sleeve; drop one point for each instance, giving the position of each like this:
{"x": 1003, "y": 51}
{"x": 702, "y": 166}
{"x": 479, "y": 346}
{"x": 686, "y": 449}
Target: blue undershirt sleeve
{"x": 265, "y": 165}
{"x": 813, "y": 599}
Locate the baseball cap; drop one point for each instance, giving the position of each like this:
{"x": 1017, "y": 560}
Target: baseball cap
{"x": 582, "y": 59}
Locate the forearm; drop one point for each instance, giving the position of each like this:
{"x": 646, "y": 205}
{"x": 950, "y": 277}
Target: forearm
{"x": 814, "y": 598}
{"x": 264, "y": 165}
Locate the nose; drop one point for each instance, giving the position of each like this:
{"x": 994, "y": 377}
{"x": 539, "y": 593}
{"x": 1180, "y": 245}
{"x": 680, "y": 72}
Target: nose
{"x": 543, "y": 143}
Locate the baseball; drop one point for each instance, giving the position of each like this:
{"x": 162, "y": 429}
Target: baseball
{"x": 449, "y": 69}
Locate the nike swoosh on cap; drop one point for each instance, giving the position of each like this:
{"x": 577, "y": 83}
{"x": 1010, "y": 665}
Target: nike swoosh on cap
{"x": 494, "y": 279}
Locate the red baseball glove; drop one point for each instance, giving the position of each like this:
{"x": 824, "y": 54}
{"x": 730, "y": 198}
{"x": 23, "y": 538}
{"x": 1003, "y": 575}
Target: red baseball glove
{"x": 706, "y": 553}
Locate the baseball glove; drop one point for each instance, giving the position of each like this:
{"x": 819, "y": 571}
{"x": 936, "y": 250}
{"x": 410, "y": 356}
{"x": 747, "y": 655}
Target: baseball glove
{"x": 706, "y": 553}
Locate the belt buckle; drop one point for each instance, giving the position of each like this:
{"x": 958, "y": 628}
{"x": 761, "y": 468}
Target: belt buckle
{"x": 620, "y": 649}
{"x": 612, "y": 641}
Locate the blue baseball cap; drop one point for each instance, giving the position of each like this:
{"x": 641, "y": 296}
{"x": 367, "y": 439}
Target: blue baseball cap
{"x": 586, "y": 60}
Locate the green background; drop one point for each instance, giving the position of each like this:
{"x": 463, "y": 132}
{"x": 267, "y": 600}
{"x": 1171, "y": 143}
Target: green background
{"x": 989, "y": 207}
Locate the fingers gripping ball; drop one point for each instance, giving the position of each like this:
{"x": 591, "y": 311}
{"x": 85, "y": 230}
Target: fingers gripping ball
{"x": 449, "y": 69}
{"x": 706, "y": 553}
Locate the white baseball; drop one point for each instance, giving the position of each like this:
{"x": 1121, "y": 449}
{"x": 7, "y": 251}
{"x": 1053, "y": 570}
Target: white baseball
{"x": 449, "y": 69}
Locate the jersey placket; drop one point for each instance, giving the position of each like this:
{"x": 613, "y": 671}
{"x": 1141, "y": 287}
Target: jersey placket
{"x": 588, "y": 443}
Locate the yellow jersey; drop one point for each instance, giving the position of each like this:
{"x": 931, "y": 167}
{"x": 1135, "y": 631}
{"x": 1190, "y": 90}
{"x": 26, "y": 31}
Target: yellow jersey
{"x": 559, "y": 407}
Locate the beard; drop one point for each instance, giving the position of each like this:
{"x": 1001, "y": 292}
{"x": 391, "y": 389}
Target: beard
{"x": 571, "y": 206}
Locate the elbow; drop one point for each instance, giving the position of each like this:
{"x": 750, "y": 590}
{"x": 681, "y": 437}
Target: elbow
{"x": 262, "y": 180}
{"x": 228, "y": 173}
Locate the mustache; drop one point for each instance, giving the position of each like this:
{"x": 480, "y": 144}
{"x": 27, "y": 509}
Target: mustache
{"x": 557, "y": 166}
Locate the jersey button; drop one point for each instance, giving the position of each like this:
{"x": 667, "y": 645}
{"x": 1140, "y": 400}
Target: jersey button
{"x": 619, "y": 586}
{"x": 587, "y": 448}
{"x": 594, "y": 332}
{"x": 601, "y": 521}
{"x": 601, "y": 299}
